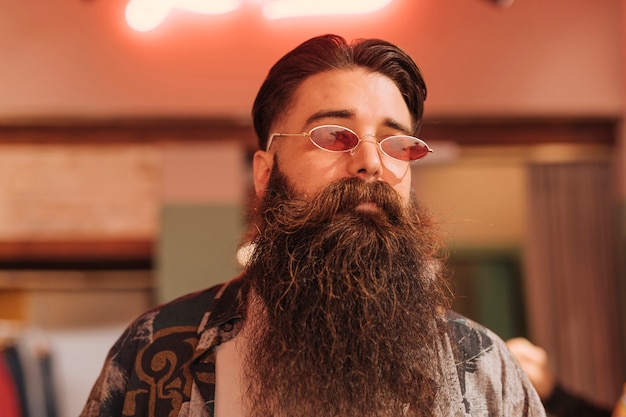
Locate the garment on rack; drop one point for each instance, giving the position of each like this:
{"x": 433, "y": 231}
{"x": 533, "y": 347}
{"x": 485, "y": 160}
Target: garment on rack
{"x": 14, "y": 365}
{"x": 49, "y": 395}
{"x": 9, "y": 397}
{"x": 27, "y": 382}
{"x": 34, "y": 356}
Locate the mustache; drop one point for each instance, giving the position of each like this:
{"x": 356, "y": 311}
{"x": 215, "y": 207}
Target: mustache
{"x": 341, "y": 196}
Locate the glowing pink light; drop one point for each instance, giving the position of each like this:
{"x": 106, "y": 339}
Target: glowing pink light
{"x": 145, "y": 15}
{"x": 280, "y": 9}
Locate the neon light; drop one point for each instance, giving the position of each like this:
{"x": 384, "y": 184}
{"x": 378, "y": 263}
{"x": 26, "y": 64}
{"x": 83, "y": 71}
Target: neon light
{"x": 208, "y": 6}
{"x": 280, "y": 9}
{"x": 145, "y": 15}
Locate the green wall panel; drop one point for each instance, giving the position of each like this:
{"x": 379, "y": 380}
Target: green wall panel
{"x": 196, "y": 248}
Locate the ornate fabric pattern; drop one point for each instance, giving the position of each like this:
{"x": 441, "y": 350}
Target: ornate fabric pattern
{"x": 162, "y": 378}
{"x": 163, "y": 365}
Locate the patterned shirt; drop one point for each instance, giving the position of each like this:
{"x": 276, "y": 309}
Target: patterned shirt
{"x": 163, "y": 365}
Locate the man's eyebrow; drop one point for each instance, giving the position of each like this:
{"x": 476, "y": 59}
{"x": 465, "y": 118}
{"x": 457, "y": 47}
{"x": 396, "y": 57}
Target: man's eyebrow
{"x": 394, "y": 124}
{"x": 341, "y": 114}
{"x": 348, "y": 114}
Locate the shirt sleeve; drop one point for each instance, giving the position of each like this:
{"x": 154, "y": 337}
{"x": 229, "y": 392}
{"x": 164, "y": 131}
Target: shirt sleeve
{"x": 491, "y": 380}
{"x": 108, "y": 393}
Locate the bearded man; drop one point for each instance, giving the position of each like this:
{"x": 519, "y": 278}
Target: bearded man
{"x": 341, "y": 310}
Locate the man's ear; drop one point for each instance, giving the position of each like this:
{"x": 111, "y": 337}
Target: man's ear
{"x": 262, "y": 163}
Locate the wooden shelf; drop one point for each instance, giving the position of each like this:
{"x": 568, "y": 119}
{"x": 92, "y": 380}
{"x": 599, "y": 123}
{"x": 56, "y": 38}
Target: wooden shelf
{"x": 79, "y": 251}
{"x": 76, "y": 280}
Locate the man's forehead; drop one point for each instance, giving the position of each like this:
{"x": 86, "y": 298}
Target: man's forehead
{"x": 348, "y": 94}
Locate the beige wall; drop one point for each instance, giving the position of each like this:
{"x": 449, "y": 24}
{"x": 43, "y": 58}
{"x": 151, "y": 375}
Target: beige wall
{"x": 479, "y": 198}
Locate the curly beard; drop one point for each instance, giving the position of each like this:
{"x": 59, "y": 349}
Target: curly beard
{"x": 351, "y": 301}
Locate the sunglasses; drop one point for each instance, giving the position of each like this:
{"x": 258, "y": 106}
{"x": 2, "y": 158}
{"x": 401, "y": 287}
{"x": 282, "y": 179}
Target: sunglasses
{"x": 335, "y": 138}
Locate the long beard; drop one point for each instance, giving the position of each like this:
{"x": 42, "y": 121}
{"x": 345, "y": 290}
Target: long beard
{"x": 352, "y": 304}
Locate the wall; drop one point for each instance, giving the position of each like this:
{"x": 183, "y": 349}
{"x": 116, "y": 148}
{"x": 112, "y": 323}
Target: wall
{"x": 467, "y": 197}
{"x": 79, "y": 58}
{"x": 202, "y": 216}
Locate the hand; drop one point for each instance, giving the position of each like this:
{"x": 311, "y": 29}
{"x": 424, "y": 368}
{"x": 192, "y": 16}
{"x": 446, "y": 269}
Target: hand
{"x": 534, "y": 361}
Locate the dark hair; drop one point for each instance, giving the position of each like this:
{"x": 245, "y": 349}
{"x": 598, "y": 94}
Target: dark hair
{"x": 330, "y": 52}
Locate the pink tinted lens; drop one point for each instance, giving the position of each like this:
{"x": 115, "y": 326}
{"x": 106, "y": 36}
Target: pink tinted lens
{"x": 404, "y": 148}
{"x": 334, "y": 138}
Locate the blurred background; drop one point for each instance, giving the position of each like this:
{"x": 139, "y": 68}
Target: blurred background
{"x": 125, "y": 168}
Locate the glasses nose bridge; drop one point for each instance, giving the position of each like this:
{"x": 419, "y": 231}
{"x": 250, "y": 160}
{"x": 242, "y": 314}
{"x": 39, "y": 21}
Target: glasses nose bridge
{"x": 367, "y": 135}
{"x": 363, "y": 139}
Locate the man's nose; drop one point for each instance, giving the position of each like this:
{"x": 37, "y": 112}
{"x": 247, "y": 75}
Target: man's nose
{"x": 365, "y": 160}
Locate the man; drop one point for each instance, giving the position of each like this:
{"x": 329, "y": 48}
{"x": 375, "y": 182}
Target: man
{"x": 341, "y": 309}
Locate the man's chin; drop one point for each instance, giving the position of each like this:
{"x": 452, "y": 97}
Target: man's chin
{"x": 368, "y": 207}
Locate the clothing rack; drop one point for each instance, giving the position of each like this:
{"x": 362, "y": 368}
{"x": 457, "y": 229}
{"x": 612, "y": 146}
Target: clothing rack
{"x": 26, "y": 388}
